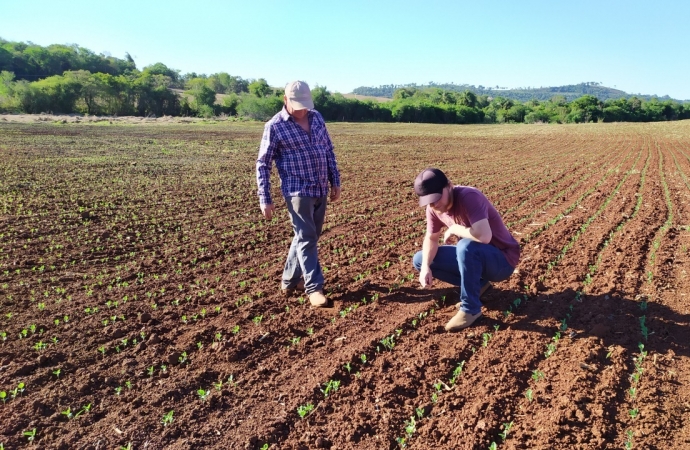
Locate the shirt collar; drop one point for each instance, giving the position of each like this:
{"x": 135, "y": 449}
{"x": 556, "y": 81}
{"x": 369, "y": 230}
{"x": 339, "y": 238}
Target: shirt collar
{"x": 286, "y": 116}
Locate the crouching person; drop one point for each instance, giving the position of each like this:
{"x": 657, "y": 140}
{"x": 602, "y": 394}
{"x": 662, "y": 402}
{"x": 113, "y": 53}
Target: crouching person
{"x": 485, "y": 252}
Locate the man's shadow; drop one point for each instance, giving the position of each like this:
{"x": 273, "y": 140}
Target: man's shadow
{"x": 614, "y": 318}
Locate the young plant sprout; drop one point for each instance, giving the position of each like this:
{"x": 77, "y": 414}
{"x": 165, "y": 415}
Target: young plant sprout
{"x": 304, "y": 410}
{"x": 331, "y": 386}
{"x": 203, "y": 394}
{"x": 167, "y": 418}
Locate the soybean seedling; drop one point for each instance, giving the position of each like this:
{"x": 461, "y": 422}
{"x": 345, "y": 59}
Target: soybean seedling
{"x": 506, "y": 429}
{"x": 203, "y": 394}
{"x": 420, "y": 412}
{"x": 168, "y": 418}
{"x": 304, "y": 410}
{"x": 529, "y": 395}
{"x": 331, "y": 386}
{"x": 57, "y": 373}
{"x": 30, "y": 435}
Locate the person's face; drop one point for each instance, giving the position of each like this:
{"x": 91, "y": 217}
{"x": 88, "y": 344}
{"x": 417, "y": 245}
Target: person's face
{"x": 296, "y": 113}
{"x": 444, "y": 203}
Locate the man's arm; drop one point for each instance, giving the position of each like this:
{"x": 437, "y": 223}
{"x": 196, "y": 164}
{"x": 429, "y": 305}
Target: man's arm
{"x": 263, "y": 171}
{"x": 480, "y": 231}
{"x": 333, "y": 172}
{"x": 429, "y": 249}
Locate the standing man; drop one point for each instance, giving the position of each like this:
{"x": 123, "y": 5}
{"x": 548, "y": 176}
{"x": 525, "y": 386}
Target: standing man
{"x": 486, "y": 251}
{"x": 297, "y": 139}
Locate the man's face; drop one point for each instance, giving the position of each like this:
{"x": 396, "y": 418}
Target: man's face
{"x": 296, "y": 113}
{"x": 444, "y": 203}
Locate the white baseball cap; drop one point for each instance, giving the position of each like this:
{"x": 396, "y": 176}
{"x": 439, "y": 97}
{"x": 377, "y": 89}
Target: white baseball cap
{"x": 299, "y": 95}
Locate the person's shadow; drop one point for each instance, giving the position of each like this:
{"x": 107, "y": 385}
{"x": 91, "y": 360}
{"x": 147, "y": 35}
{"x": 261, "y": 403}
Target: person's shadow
{"x": 615, "y": 319}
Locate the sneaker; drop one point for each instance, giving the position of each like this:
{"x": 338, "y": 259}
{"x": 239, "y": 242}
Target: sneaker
{"x": 292, "y": 290}
{"x": 461, "y": 320}
{"x": 317, "y": 299}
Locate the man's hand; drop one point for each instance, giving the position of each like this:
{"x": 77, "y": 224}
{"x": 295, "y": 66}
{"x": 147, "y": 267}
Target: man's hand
{"x": 267, "y": 211}
{"x": 335, "y": 194}
{"x": 425, "y": 276}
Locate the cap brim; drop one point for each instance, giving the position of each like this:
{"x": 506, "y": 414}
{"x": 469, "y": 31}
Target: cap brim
{"x": 429, "y": 198}
{"x": 301, "y": 104}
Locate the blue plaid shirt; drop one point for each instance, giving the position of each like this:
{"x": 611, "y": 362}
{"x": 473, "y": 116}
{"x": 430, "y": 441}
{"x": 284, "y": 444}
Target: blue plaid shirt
{"x": 305, "y": 161}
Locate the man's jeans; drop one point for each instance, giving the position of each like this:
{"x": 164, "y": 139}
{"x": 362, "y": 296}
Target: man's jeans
{"x": 307, "y": 215}
{"x": 470, "y": 265}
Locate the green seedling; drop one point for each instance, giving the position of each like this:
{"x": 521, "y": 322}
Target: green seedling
{"x": 183, "y": 358}
{"x": 30, "y": 435}
{"x": 295, "y": 340}
{"x": 19, "y": 390}
{"x": 347, "y": 367}
{"x": 257, "y": 320}
{"x": 363, "y": 357}
{"x": 57, "y": 372}
{"x": 331, "y": 387}
{"x": 401, "y": 442}
{"x": 457, "y": 372}
{"x": 629, "y": 440}
{"x": 118, "y": 390}
{"x": 506, "y": 429}
{"x": 84, "y": 409}
{"x": 218, "y": 385}
{"x": 150, "y": 370}
{"x": 304, "y": 410}
{"x": 235, "y": 329}
{"x": 231, "y": 380}
{"x": 634, "y": 413}
{"x": 537, "y": 375}
{"x": 434, "y": 397}
{"x": 167, "y": 418}
{"x": 486, "y": 337}
{"x": 310, "y": 331}
{"x": 529, "y": 395}
{"x": 203, "y": 394}
{"x": 67, "y": 412}
{"x": 419, "y": 412}
{"x": 411, "y": 427}
{"x": 3, "y": 396}
{"x": 493, "y": 446}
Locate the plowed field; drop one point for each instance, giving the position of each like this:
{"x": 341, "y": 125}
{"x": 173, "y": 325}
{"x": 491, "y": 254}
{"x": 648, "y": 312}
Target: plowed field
{"x": 140, "y": 306}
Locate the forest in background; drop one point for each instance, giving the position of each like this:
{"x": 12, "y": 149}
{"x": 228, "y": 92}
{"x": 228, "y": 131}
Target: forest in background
{"x": 569, "y": 92}
{"x": 67, "y": 79}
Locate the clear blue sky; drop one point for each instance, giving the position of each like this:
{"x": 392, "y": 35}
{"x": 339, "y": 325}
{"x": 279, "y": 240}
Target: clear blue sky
{"x": 636, "y": 46}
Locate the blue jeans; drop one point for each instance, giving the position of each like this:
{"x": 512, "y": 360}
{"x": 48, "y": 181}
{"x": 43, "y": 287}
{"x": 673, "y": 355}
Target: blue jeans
{"x": 470, "y": 265}
{"x": 307, "y": 215}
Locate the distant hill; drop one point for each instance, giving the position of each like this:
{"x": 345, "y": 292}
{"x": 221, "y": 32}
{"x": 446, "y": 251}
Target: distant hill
{"x": 570, "y": 92}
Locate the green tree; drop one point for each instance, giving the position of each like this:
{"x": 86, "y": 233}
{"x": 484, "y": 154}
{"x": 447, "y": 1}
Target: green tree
{"x": 259, "y": 88}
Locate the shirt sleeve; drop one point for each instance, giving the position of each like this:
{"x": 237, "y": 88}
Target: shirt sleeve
{"x": 333, "y": 172}
{"x": 476, "y": 207}
{"x": 433, "y": 223}
{"x": 264, "y": 164}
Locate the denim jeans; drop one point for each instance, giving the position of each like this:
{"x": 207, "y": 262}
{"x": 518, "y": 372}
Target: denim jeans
{"x": 307, "y": 215}
{"x": 470, "y": 265}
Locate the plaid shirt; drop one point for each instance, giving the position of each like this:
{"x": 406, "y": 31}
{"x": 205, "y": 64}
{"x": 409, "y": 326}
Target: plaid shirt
{"x": 305, "y": 161}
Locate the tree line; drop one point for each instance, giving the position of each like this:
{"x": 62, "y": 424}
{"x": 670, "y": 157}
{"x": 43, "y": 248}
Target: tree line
{"x": 69, "y": 79}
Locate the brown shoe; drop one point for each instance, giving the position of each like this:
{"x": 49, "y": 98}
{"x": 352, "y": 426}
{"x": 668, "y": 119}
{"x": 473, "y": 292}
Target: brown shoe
{"x": 317, "y": 299}
{"x": 292, "y": 290}
{"x": 462, "y": 320}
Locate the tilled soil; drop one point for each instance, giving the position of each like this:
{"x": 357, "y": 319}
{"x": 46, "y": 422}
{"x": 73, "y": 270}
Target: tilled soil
{"x": 140, "y": 305}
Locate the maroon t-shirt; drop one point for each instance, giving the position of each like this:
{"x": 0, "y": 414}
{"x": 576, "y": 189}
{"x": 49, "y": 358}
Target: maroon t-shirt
{"x": 470, "y": 206}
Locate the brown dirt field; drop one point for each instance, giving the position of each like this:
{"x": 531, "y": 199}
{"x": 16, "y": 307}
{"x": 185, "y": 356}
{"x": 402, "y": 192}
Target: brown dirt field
{"x": 137, "y": 278}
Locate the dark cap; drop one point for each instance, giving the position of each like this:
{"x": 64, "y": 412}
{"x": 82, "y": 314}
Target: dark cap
{"x": 429, "y": 185}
